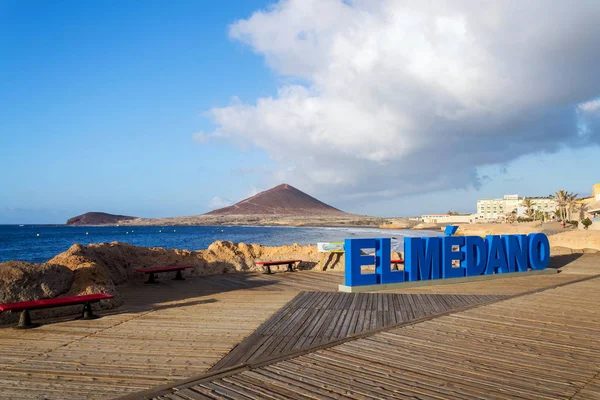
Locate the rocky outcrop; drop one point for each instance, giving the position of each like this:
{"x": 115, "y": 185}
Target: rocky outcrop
{"x": 115, "y": 263}
{"x": 23, "y": 281}
{"x": 98, "y": 218}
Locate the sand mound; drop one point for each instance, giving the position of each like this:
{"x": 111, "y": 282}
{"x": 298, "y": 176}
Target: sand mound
{"x": 498, "y": 229}
{"x": 117, "y": 262}
{"x": 23, "y": 281}
{"x": 577, "y": 240}
{"x": 427, "y": 226}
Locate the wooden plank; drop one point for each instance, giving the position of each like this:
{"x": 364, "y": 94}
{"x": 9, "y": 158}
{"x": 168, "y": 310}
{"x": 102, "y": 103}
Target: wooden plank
{"x": 539, "y": 346}
{"x": 179, "y": 330}
{"x": 312, "y": 319}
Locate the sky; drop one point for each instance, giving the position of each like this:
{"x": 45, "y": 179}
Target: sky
{"x": 388, "y": 108}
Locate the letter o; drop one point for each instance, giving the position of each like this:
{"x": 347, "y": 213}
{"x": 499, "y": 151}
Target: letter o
{"x": 539, "y": 251}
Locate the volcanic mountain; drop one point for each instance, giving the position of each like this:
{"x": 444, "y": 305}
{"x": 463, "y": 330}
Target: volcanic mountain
{"x": 280, "y": 200}
{"x": 97, "y": 218}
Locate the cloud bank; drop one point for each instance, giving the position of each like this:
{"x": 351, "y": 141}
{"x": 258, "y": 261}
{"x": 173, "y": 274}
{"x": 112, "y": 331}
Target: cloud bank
{"x": 380, "y": 98}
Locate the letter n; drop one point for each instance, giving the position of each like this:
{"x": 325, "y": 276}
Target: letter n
{"x": 516, "y": 252}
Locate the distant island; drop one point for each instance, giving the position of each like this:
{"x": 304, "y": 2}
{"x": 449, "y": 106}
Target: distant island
{"x": 98, "y": 218}
{"x": 283, "y": 205}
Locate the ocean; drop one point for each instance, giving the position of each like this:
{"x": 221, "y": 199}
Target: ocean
{"x": 39, "y": 243}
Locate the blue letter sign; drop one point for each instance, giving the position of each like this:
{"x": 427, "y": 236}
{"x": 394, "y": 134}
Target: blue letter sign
{"x": 424, "y": 255}
{"x": 450, "y": 256}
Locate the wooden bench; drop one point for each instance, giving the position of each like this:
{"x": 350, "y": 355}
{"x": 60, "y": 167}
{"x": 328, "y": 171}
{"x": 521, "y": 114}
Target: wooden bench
{"x": 268, "y": 264}
{"x": 168, "y": 268}
{"x": 25, "y": 306}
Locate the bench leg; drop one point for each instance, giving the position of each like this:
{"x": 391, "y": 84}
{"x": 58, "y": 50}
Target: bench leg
{"x": 290, "y": 268}
{"x": 25, "y": 321}
{"x": 87, "y": 312}
{"x": 268, "y": 269}
{"x": 179, "y": 277}
{"x": 151, "y": 278}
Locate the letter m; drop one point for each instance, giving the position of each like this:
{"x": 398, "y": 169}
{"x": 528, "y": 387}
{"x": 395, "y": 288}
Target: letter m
{"x": 422, "y": 258}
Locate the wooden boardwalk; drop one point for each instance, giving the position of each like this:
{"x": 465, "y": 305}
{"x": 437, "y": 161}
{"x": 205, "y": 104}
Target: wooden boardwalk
{"x": 162, "y": 333}
{"x": 539, "y": 346}
{"x": 510, "y": 286}
{"x": 315, "y": 318}
{"x": 172, "y": 331}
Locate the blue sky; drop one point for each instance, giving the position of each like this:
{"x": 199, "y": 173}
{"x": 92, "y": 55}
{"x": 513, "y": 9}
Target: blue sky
{"x": 174, "y": 108}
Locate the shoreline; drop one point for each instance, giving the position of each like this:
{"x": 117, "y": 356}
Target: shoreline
{"x": 316, "y": 221}
{"x": 39, "y": 244}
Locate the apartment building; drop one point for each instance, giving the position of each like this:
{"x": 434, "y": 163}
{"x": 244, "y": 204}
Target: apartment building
{"x": 498, "y": 209}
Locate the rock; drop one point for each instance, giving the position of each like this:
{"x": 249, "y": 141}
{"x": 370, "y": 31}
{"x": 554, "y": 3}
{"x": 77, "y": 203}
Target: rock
{"x": 23, "y": 281}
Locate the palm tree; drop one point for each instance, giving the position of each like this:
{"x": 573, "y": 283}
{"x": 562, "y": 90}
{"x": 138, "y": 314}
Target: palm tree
{"x": 571, "y": 197}
{"x": 539, "y": 214}
{"x": 557, "y": 213}
{"x": 583, "y": 208}
{"x": 561, "y": 200}
{"x": 528, "y": 204}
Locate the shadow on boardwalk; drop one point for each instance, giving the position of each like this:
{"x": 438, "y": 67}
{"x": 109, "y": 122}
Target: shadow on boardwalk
{"x": 562, "y": 260}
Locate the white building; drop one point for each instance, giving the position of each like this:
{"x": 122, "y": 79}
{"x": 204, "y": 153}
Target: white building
{"x": 498, "y": 209}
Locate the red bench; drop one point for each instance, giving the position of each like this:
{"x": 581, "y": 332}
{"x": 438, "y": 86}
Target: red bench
{"x": 396, "y": 262}
{"x": 25, "y": 306}
{"x": 268, "y": 264}
{"x": 168, "y": 268}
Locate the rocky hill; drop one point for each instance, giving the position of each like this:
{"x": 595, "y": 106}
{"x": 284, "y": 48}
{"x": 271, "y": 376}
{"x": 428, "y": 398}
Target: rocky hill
{"x": 283, "y": 205}
{"x": 280, "y": 200}
{"x": 98, "y": 218}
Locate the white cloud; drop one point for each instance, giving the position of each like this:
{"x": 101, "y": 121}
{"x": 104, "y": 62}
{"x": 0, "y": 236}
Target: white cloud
{"x": 592, "y": 106}
{"x": 218, "y": 202}
{"x": 398, "y": 97}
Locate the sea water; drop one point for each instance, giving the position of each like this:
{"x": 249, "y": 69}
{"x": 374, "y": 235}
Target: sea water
{"x": 39, "y": 243}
